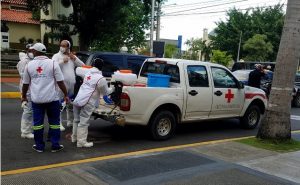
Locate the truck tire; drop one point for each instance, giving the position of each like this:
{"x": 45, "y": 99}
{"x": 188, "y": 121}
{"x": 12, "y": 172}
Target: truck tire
{"x": 251, "y": 117}
{"x": 296, "y": 100}
{"x": 162, "y": 125}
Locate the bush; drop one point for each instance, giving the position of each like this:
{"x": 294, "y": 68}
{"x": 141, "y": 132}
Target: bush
{"x": 23, "y": 40}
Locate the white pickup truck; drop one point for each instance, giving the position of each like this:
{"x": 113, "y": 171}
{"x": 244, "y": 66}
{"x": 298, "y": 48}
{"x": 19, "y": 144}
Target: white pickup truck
{"x": 198, "y": 91}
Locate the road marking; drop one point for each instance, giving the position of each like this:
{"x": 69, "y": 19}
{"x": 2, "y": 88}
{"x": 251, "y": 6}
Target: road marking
{"x": 116, "y": 156}
{"x": 10, "y": 95}
{"x": 294, "y": 117}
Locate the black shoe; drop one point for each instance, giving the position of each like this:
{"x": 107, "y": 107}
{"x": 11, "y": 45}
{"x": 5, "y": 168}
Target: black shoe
{"x": 34, "y": 147}
{"x": 57, "y": 149}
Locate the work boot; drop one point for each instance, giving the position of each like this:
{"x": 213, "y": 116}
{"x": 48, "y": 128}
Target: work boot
{"x": 27, "y": 136}
{"x": 82, "y": 133}
{"x": 85, "y": 145}
{"x": 34, "y": 147}
{"x": 74, "y": 133}
{"x": 69, "y": 116}
{"x": 57, "y": 149}
{"x": 69, "y": 123}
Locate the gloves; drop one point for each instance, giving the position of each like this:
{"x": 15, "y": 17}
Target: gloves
{"x": 24, "y": 104}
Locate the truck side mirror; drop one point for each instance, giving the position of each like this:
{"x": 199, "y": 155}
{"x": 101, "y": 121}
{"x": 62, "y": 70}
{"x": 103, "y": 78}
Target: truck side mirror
{"x": 241, "y": 85}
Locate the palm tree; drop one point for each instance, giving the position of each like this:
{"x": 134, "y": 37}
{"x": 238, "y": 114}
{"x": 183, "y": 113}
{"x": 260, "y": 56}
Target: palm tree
{"x": 276, "y": 122}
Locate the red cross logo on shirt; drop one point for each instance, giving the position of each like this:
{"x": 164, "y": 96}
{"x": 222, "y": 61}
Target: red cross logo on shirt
{"x": 88, "y": 78}
{"x": 229, "y": 96}
{"x": 39, "y": 70}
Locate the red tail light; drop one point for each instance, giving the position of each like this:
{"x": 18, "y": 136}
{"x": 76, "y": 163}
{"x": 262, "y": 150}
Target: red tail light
{"x": 125, "y": 102}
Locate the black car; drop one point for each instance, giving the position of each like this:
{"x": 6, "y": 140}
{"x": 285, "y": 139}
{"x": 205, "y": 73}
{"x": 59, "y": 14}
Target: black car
{"x": 251, "y": 65}
{"x": 266, "y": 83}
{"x": 113, "y": 61}
{"x": 296, "y": 92}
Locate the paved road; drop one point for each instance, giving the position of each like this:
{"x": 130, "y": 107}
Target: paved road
{"x": 108, "y": 138}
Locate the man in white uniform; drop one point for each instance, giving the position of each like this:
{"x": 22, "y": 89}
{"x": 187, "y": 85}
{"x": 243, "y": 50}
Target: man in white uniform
{"x": 26, "y": 120}
{"x": 67, "y": 63}
{"x": 94, "y": 84}
{"x": 42, "y": 74}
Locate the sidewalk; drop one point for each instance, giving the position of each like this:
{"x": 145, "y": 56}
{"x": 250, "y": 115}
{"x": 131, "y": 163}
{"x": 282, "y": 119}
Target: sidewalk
{"x": 10, "y": 87}
{"x": 224, "y": 163}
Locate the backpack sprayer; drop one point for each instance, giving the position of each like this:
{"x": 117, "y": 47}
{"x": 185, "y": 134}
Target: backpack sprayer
{"x": 113, "y": 99}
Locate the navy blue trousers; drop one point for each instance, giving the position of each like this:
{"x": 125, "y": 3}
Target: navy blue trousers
{"x": 52, "y": 110}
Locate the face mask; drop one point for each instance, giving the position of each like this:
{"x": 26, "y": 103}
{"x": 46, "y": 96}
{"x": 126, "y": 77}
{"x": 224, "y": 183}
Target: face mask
{"x": 30, "y": 55}
{"x": 62, "y": 49}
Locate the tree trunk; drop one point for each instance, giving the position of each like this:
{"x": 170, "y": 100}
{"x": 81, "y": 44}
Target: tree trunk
{"x": 83, "y": 44}
{"x": 276, "y": 122}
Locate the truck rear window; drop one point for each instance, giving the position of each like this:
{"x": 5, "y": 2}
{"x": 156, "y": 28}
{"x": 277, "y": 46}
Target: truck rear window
{"x": 158, "y": 68}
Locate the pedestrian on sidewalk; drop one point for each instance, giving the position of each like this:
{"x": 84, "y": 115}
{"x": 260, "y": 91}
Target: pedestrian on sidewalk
{"x": 94, "y": 84}
{"x": 67, "y": 62}
{"x": 26, "y": 120}
{"x": 42, "y": 74}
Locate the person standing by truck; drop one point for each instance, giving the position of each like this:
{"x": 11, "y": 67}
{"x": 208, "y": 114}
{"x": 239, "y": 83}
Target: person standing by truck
{"x": 26, "y": 120}
{"x": 67, "y": 62}
{"x": 255, "y": 76}
{"x": 94, "y": 85}
{"x": 42, "y": 74}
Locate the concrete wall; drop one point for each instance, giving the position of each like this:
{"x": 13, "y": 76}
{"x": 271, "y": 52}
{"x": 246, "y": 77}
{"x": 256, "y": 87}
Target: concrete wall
{"x": 19, "y": 30}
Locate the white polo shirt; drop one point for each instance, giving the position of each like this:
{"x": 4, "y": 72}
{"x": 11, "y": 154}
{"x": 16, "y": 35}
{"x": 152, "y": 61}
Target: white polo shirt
{"x": 42, "y": 74}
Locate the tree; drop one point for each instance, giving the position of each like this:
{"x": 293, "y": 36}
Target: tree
{"x": 221, "y": 57}
{"x": 170, "y": 50}
{"x": 267, "y": 21}
{"x": 257, "y": 48}
{"x": 105, "y": 24}
{"x": 195, "y": 46}
{"x": 131, "y": 31}
{"x": 276, "y": 122}
{"x": 206, "y": 50}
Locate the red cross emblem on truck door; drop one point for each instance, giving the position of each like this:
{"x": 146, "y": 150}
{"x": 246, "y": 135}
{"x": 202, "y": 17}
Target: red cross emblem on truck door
{"x": 229, "y": 96}
{"x": 39, "y": 70}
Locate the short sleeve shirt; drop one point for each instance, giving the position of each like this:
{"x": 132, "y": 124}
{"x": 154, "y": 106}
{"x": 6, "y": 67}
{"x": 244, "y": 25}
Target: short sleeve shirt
{"x": 42, "y": 74}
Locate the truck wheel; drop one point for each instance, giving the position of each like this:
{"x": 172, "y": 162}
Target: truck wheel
{"x": 296, "y": 100}
{"x": 251, "y": 117}
{"x": 162, "y": 125}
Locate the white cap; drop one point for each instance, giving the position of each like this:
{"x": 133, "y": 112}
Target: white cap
{"x": 39, "y": 47}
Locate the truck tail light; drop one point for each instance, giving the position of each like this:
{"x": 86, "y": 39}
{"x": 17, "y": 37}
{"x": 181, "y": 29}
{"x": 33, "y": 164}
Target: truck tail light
{"x": 125, "y": 102}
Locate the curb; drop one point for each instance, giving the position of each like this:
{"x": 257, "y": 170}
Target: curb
{"x": 10, "y": 95}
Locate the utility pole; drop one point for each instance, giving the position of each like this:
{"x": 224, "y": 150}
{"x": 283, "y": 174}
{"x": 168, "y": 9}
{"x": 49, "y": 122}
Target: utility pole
{"x": 238, "y": 54}
{"x": 152, "y": 27}
{"x": 158, "y": 21}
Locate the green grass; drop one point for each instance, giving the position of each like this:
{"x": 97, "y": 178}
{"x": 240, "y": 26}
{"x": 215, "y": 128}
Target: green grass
{"x": 274, "y": 145}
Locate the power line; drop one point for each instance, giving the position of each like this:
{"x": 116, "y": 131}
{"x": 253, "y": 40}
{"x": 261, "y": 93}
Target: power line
{"x": 205, "y": 7}
{"x": 211, "y": 12}
{"x": 183, "y": 5}
{"x": 264, "y": 2}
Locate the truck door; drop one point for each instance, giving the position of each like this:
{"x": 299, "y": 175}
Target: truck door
{"x": 199, "y": 92}
{"x": 228, "y": 99}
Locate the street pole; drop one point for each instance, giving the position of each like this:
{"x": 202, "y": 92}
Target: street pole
{"x": 152, "y": 27}
{"x": 158, "y": 21}
{"x": 238, "y": 54}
